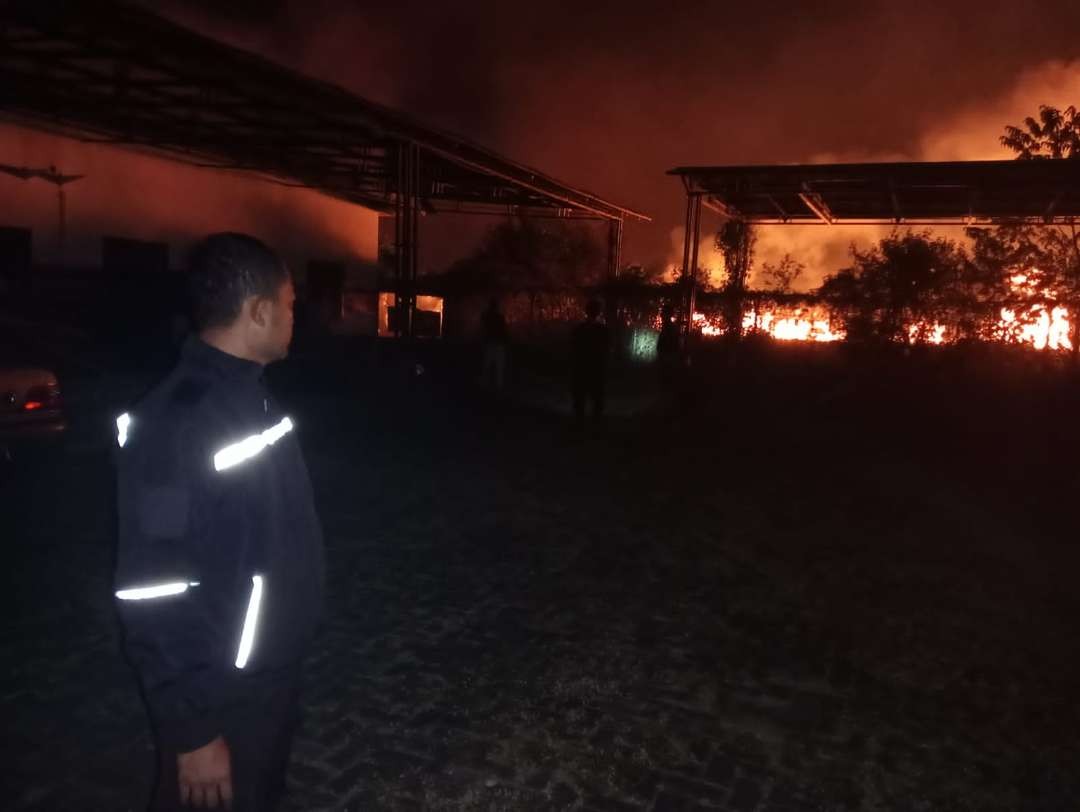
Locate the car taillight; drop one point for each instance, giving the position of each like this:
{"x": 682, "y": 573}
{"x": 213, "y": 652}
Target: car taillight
{"x": 42, "y": 397}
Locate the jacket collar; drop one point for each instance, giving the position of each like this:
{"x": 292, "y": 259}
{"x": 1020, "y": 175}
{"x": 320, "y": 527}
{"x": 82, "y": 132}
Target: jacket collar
{"x": 199, "y": 353}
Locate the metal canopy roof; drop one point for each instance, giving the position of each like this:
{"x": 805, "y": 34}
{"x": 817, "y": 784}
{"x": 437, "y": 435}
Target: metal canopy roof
{"x": 961, "y": 193}
{"x": 117, "y": 74}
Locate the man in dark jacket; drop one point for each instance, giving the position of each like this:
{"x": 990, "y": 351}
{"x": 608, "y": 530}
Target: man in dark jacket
{"x": 220, "y": 564}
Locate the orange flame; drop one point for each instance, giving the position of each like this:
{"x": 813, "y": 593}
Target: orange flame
{"x": 1039, "y": 328}
{"x": 798, "y": 325}
{"x": 707, "y": 326}
{"x": 1035, "y": 325}
{"x": 924, "y": 333}
{"x": 801, "y": 325}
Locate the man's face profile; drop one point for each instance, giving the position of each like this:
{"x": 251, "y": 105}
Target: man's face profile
{"x": 270, "y": 325}
{"x": 280, "y": 323}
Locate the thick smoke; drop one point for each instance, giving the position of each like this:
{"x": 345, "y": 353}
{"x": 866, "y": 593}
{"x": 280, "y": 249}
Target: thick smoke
{"x": 610, "y": 99}
{"x": 971, "y": 133}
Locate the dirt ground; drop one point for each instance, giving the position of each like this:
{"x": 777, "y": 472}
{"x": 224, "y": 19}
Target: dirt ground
{"x": 789, "y": 585}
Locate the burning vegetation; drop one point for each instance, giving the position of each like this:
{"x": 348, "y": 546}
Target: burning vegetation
{"x": 1016, "y": 283}
{"x": 1033, "y": 317}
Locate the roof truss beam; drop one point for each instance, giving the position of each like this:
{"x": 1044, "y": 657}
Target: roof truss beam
{"x": 816, "y": 203}
{"x": 116, "y": 73}
{"x": 948, "y": 193}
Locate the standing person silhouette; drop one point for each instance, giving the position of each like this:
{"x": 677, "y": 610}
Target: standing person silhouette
{"x": 496, "y": 340}
{"x": 589, "y": 355}
{"x": 668, "y": 346}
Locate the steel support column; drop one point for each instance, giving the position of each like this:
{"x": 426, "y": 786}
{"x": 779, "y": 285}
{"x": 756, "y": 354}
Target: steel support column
{"x": 611, "y": 294}
{"x": 615, "y": 235}
{"x": 692, "y": 237}
{"x": 406, "y": 235}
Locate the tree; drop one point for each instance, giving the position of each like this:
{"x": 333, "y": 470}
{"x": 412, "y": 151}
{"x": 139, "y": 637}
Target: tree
{"x": 902, "y": 289}
{"x": 1040, "y": 257}
{"x": 1049, "y": 253}
{"x": 735, "y": 241}
{"x": 781, "y": 277}
{"x": 546, "y": 259}
{"x": 531, "y": 254}
{"x": 1056, "y": 134}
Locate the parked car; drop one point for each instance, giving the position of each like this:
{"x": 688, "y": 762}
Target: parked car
{"x": 31, "y": 405}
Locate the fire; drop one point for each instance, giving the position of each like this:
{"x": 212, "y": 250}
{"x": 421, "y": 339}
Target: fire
{"x": 1033, "y": 325}
{"x": 707, "y": 326}
{"x": 1036, "y": 324}
{"x": 1039, "y": 328}
{"x": 801, "y": 325}
{"x": 923, "y": 333}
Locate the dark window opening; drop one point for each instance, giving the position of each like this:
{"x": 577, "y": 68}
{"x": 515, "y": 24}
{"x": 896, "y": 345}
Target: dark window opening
{"x": 122, "y": 255}
{"x": 16, "y": 253}
{"x": 325, "y": 290}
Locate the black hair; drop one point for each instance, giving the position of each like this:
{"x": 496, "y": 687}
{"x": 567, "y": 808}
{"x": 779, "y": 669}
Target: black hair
{"x": 225, "y": 269}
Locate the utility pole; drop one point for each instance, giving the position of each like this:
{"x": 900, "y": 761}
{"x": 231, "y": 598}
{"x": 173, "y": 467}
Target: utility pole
{"x": 50, "y": 175}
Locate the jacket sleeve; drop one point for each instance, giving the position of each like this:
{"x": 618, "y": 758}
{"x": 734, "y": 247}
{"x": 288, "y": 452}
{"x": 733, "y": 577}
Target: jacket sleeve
{"x": 171, "y": 636}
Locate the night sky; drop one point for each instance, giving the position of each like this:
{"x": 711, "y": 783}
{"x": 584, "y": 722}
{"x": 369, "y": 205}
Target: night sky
{"x": 609, "y": 97}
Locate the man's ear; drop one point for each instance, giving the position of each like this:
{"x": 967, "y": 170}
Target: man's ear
{"x": 258, "y": 309}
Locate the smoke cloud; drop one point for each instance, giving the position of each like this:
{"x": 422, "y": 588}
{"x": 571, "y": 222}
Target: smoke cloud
{"x": 971, "y": 133}
{"x": 611, "y": 100}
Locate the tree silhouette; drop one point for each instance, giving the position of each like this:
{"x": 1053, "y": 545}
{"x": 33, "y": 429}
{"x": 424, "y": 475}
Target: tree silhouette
{"x": 735, "y": 241}
{"x": 530, "y": 254}
{"x": 1055, "y": 134}
{"x": 781, "y": 277}
{"x": 547, "y": 261}
{"x": 902, "y": 289}
{"x": 1052, "y": 252}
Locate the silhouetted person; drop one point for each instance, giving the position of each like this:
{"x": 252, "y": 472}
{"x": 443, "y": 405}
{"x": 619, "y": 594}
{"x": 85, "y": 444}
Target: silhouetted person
{"x": 496, "y": 340}
{"x": 589, "y": 363}
{"x": 668, "y": 346}
{"x": 668, "y": 343}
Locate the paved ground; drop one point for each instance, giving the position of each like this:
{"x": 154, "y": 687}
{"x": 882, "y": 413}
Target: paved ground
{"x": 752, "y": 607}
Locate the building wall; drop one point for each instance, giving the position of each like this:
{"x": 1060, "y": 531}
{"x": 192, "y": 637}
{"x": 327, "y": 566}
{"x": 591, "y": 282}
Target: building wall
{"x": 137, "y": 196}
